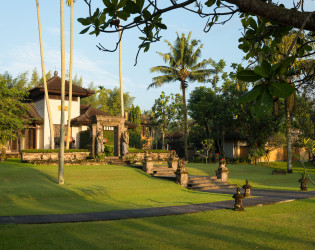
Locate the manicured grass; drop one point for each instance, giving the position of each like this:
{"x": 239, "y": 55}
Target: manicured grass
{"x": 30, "y": 189}
{"x": 258, "y": 176}
{"x": 280, "y": 226}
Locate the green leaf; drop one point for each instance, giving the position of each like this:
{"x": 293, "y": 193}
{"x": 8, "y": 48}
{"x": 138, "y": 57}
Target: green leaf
{"x": 123, "y": 15}
{"x": 248, "y": 76}
{"x": 85, "y": 30}
{"x": 146, "y": 14}
{"x": 263, "y": 69}
{"x": 107, "y": 3}
{"x": 102, "y": 18}
{"x": 282, "y": 66}
{"x": 140, "y": 3}
{"x": 281, "y": 90}
{"x": 121, "y": 4}
{"x": 252, "y": 23}
{"x": 209, "y": 3}
{"x": 251, "y": 95}
{"x": 132, "y": 7}
{"x": 263, "y": 104}
{"x": 84, "y": 21}
{"x": 162, "y": 26}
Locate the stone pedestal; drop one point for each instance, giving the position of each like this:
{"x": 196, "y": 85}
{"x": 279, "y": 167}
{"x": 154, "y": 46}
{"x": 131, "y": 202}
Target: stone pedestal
{"x": 173, "y": 163}
{"x": 247, "y": 188}
{"x": 148, "y": 166}
{"x": 181, "y": 174}
{"x": 222, "y": 173}
{"x": 182, "y": 179}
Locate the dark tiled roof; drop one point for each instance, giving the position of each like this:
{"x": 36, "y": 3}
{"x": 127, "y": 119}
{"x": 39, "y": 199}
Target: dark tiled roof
{"x": 86, "y": 112}
{"x": 33, "y": 115}
{"x": 54, "y": 87}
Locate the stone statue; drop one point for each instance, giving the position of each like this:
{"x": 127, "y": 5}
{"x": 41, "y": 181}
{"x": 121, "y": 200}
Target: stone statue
{"x": 125, "y": 143}
{"x": 99, "y": 143}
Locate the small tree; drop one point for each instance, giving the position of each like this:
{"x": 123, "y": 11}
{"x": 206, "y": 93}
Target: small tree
{"x": 207, "y": 144}
{"x": 12, "y": 112}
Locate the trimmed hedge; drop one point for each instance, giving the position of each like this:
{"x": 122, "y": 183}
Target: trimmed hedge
{"x": 135, "y": 150}
{"x": 53, "y": 150}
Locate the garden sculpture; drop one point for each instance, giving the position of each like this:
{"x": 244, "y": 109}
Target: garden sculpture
{"x": 238, "y": 205}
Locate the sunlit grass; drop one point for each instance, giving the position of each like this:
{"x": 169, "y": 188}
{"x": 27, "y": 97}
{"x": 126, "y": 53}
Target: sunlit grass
{"x": 30, "y": 189}
{"x": 280, "y": 226}
{"x": 259, "y": 176}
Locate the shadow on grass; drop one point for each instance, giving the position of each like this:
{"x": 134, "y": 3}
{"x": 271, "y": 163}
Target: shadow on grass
{"x": 26, "y": 190}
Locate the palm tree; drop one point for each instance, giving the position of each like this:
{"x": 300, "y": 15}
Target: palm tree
{"x": 217, "y": 69}
{"x": 70, "y": 3}
{"x": 51, "y": 125}
{"x": 62, "y": 128}
{"x": 183, "y": 67}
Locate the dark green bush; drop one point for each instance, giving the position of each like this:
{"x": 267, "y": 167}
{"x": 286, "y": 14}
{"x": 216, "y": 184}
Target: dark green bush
{"x": 109, "y": 150}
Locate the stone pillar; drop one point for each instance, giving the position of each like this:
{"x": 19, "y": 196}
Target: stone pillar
{"x": 93, "y": 130}
{"x": 173, "y": 163}
{"x": 182, "y": 174}
{"x": 148, "y": 166}
{"x": 222, "y": 172}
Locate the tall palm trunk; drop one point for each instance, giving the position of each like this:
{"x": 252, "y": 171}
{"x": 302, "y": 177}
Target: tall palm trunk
{"x": 185, "y": 119}
{"x": 120, "y": 78}
{"x": 62, "y": 128}
{"x": 288, "y": 134}
{"x": 70, "y": 75}
{"x": 51, "y": 125}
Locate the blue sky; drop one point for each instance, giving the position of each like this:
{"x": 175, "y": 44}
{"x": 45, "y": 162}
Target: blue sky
{"x": 19, "y": 47}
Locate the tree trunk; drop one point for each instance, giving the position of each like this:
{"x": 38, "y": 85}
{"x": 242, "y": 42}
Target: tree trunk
{"x": 288, "y": 132}
{"x": 223, "y": 142}
{"x": 70, "y": 76}
{"x": 62, "y": 128}
{"x": 163, "y": 140}
{"x": 120, "y": 78}
{"x": 185, "y": 120}
{"x": 51, "y": 125}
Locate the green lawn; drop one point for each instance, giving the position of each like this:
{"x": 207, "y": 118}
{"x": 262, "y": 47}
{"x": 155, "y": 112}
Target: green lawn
{"x": 281, "y": 226}
{"x": 259, "y": 176}
{"x": 30, "y": 189}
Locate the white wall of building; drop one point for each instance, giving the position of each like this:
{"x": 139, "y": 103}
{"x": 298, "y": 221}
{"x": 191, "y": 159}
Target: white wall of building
{"x": 55, "y": 106}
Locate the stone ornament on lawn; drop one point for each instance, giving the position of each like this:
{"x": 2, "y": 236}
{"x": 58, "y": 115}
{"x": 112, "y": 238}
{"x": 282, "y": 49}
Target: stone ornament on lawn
{"x": 238, "y": 205}
{"x": 247, "y": 188}
{"x": 303, "y": 182}
{"x": 222, "y": 172}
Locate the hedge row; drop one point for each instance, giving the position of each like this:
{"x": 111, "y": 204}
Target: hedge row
{"x": 53, "y": 150}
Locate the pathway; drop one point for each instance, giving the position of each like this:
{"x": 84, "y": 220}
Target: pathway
{"x": 264, "y": 197}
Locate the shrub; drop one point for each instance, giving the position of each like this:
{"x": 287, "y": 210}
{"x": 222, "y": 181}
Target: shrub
{"x": 109, "y": 150}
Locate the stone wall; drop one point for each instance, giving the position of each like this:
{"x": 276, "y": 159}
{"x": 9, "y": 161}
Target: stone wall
{"x": 50, "y": 157}
{"x": 154, "y": 156}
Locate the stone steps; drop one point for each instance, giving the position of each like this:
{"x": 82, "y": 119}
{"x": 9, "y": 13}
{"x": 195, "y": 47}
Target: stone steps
{"x": 199, "y": 183}
{"x": 114, "y": 161}
{"x": 163, "y": 170}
